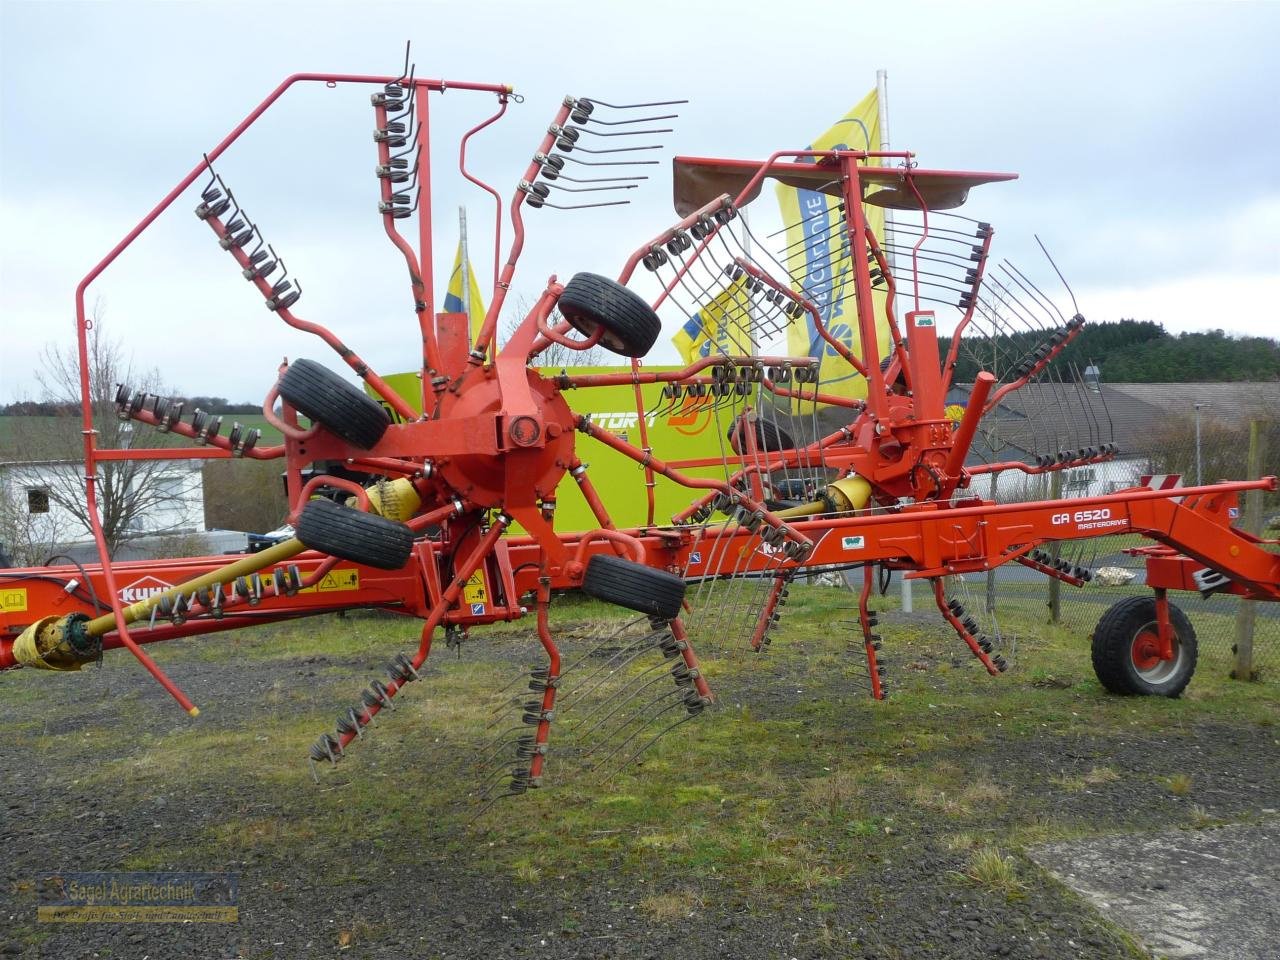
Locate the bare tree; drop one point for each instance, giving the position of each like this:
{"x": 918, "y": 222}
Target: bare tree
{"x": 135, "y": 498}
{"x": 556, "y": 355}
{"x": 28, "y": 537}
{"x": 244, "y": 495}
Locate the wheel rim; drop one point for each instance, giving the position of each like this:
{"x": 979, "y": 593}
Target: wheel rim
{"x": 1145, "y": 655}
{"x": 588, "y": 328}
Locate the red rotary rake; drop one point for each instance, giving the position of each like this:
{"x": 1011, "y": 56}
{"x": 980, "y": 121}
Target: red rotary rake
{"x": 809, "y": 478}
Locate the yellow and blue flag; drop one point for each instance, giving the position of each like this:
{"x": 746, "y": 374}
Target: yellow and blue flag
{"x": 454, "y": 299}
{"x": 722, "y": 327}
{"x": 817, "y": 256}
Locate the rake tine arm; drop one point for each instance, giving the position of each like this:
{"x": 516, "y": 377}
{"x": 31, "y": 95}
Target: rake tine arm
{"x": 553, "y": 676}
{"x": 349, "y": 356}
{"x": 940, "y": 598}
{"x": 419, "y": 287}
{"x": 949, "y": 365}
{"x": 870, "y": 640}
{"x": 811, "y": 308}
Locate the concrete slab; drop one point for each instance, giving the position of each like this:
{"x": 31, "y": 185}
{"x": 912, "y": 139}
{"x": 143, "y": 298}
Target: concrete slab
{"x": 1184, "y": 895}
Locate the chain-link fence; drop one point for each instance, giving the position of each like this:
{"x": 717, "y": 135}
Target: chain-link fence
{"x": 1218, "y": 449}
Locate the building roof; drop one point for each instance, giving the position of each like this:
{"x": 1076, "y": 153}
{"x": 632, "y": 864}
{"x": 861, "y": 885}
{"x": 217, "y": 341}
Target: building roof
{"x": 1235, "y": 404}
{"x": 1043, "y": 418}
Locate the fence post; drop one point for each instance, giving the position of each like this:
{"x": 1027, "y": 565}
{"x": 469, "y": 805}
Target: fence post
{"x": 1055, "y": 585}
{"x": 1247, "y": 610}
{"x": 991, "y": 574}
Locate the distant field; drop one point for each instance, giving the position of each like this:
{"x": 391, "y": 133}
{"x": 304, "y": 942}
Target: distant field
{"x": 16, "y": 431}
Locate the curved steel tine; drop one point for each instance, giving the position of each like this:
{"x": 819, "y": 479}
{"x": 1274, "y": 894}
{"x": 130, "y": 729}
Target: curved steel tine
{"x": 655, "y": 146}
{"x": 1045, "y": 250}
{"x": 611, "y": 636}
{"x": 405, "y": 71}
{"x": 1053, "y": 306}
{"x": 620, "y": 186}
{"x": 622, "y": 700}
{"x": 634, "y": 651}
{"x": 642, "y": 714}
{"x": 262, "y": 241}
{"x": 633, "y": 106}
{"x": 623, "y": 133}
{"x": 600, "y": 179}
{"x": 479, "y": 759}
{"x": 677, "y": 700}
{"x": 213, "y": 177}
{"x": 617, "y": 123}
{"x": 611, "y": 163}
{"x": 649, "y": 743}
{"x": 488, "y": 744}
{"x": 585, "y": 206}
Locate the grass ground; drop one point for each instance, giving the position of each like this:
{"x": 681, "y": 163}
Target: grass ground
{"x": 795, "y": 797}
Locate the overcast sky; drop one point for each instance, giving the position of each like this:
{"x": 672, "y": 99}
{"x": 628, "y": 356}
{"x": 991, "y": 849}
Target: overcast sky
{"x": 1145, "y": 136}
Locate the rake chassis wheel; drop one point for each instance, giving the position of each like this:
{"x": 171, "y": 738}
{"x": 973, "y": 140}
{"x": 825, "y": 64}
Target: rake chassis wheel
{"x": 634, "y": 586}
{"x": 339, "y": 406}
{"x": 591, "y": 302}
{"x": 1125, "y": 646}
{"x": 354, "y": 535}
{"x": 770, "y": 437}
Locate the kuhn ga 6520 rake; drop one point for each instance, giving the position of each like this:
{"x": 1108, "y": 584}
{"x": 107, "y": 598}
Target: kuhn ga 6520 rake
{"x": 426, "y": 505}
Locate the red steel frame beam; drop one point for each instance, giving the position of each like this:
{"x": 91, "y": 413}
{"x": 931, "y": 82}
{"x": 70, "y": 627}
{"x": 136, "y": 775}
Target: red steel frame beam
{"x": 932, "y": 540}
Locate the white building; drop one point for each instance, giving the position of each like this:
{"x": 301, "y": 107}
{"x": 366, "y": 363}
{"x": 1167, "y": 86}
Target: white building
{"x": 30, "y": 507}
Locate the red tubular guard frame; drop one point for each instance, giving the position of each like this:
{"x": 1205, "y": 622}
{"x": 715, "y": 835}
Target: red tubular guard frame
{"x": 83, "y": 325}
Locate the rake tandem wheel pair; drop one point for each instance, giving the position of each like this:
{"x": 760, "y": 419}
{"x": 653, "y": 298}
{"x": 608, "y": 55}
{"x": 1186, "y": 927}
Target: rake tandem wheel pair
{"x": 593, "y": 304}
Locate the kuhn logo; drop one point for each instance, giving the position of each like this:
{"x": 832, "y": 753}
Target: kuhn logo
{"x": 142, "y": 589}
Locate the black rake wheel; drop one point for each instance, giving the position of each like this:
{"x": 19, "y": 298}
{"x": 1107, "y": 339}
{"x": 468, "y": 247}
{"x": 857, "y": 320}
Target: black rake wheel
{"x": 634, "y": 586}
{"x": 331, "y": 401}
{"x": 354, "y": 535}
{"x": 1125, "y": 645}
{"x": 591, "y": 302}
{"x": 770, "y": 437}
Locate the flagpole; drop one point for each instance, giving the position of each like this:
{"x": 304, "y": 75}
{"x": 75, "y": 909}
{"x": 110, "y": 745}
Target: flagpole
{"x": 882, "y": 98}
{"x": 466, "y": 265}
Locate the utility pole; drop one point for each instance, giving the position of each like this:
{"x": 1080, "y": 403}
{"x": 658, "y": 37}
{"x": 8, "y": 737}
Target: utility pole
{"x": 1199, "y": 461}
{"x": 1247, "y": 610}
{"x": 1055, "y": 585}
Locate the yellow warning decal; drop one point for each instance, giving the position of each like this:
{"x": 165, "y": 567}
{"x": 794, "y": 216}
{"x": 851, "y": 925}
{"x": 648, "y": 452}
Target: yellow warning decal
{"x": 14, "y": 599}
{"x": 473, "y": 590}
{"x": 336, "y": 580}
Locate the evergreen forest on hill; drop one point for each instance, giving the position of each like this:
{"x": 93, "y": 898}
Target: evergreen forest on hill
{"x": 1139, "y": 351}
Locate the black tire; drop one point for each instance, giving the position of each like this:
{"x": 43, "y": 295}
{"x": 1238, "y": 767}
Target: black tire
{"x": 339, "y": 406}
{"x": 770, "y": 437}
{"x": 1118, "y": 658}
{"x": 354, "y": 535}
{"x": 591, "y": 301}
{"x": 634, "y": 586}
